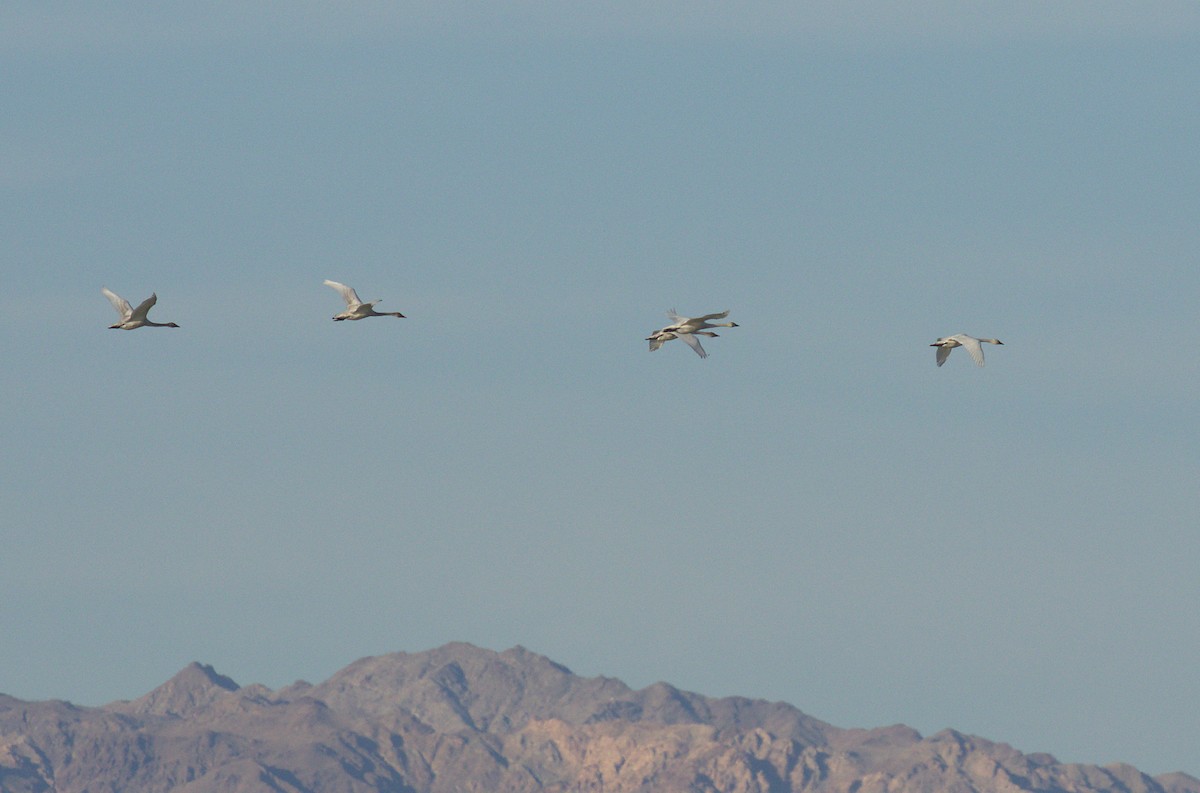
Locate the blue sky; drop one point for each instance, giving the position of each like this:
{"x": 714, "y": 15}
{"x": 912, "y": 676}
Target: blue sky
{"x": 815, "y": 513}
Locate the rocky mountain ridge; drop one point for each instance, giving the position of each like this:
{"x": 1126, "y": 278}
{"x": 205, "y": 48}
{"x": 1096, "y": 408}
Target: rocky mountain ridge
{"x": 460, "y": 718}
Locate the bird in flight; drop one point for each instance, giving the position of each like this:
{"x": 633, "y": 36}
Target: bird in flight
{"x": 659, "y": 337}
{"x": 355, "y": 308}
{"x": 687, "y": 328}
{"x": 693, "y": 324}
{"x": 968, "y": 343}
{"x": 133, "y": 317}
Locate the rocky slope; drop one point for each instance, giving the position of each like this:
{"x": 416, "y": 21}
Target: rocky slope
{"x": 460, "y": 718}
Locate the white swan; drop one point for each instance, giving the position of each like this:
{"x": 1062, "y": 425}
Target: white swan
{"x": 968, "y": 343}
{"x": 687, "y": 328}
{"x": 660, "y": 337}
{"x": 355, "y": 308}
{"x": 133, "y": 317}
{"x": 693, "y": 324}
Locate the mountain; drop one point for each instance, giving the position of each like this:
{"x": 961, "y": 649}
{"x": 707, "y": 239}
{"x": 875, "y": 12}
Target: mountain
{"x": 460, "y": 719}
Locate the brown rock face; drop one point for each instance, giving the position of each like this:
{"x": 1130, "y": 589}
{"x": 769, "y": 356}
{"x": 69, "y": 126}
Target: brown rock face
{"x": 460, "y": 719}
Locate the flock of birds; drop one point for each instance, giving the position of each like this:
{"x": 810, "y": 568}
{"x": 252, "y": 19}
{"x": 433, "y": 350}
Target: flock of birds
{"x": 688, "y": 328}
{"x": 685, "y": 328}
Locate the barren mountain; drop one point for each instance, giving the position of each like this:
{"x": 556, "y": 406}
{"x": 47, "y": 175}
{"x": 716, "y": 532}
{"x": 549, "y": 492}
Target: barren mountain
{"x": 460, "y": 718}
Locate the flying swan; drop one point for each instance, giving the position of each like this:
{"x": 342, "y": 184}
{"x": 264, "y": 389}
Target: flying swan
{"x": 969, "y": 343}
{"x": 687, "y": 328}
{"x": 355, "y": 308}
{"x": 133, "y": 317}
{"x": 660, "y": 337}
{"x": 693, "y": 324}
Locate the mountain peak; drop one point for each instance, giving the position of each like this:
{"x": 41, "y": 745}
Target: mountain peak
{"x": 195, "y": 686}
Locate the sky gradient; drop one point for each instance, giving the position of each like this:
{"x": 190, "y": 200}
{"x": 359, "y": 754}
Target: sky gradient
{"x": 816, "y": 513}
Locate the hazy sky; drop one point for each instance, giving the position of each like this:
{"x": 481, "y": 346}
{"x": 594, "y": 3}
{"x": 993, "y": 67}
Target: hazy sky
{"x": 816, "y": 513}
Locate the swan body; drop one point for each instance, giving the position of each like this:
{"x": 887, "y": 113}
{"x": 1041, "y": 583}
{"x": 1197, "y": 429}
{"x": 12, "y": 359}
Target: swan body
{"x": 969, "y": 343}
{"x": 355, "y": 308}
{"x": 660, "y": 337}
{"x": 131, "y": 317}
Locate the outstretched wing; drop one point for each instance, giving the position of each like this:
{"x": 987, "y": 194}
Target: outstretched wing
{"x": 973, "y": 346}
{"x": 144, "y": 307}
{"x": 348, "y": 294}
{"x": 943, "y": 352}
{"x": 674, "y": 317}
{"x": 694, "y": 343}
{"x": 707, "y": 317}
{"x": 119, "y": 303}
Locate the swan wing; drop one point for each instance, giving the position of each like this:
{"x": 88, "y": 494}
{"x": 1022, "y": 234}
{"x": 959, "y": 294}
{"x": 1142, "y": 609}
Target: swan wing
{"x": 707, "y": 317}
{"x": 972, "y": 345}
{"x": 347, "y": 293}
{"x": 694, "y": 343}
{"x": 675, "y": 318}
{"x": 145, "y": 306}
{"x": 943, "y": 352}
{"x": 119, "y": 303}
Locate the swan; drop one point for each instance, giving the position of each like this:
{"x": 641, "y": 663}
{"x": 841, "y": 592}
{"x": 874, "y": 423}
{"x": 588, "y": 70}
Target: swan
{"x": 969, "y": 343}
{"x": 660, "y": 337}
{"x": 693, "y": 324}
{"x": 687, "y": 328}
{"x": 355, "y": 308}
{"x": 133, "y": 317}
